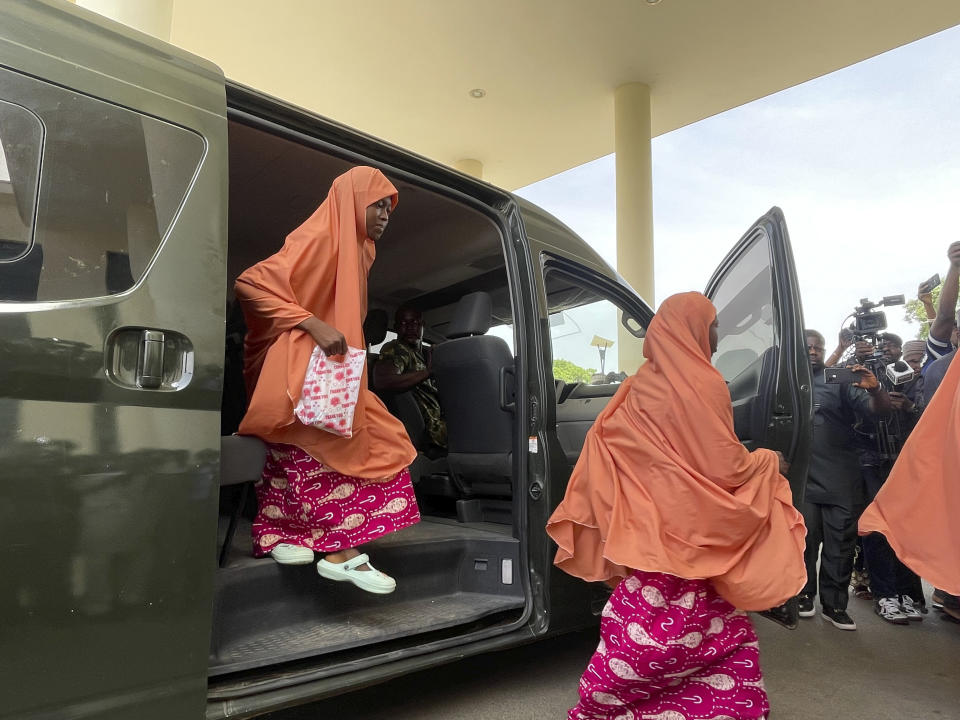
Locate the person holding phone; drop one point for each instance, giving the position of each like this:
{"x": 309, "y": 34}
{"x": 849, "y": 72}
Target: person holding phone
{"x": 943, "y": 336}
{"x": 835, "y": 493}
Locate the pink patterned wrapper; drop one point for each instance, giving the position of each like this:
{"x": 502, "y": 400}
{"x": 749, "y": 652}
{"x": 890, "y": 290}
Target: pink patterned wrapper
{"x": 302, "y": 502}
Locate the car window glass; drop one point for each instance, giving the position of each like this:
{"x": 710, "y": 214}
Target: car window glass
{"x": 505, "y": 333}
{"x": 111, "y": 183}
{"x": 389, "y": 337}
{"x": 745, "y": 311}
{"x": 21, "y": 136}
{"x": 586, "y": 333}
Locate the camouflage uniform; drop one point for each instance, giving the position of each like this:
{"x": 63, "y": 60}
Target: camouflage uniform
{"x": 405, "y": 359}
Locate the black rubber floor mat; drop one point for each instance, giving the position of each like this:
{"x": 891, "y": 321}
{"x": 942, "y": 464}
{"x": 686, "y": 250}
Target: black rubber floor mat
{"x": 363, "y": 626}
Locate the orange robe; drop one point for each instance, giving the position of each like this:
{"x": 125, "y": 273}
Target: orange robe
{"x": 321, "y": 270}
{"x": 663, "y": 484}
{"x": 918, "y": 507}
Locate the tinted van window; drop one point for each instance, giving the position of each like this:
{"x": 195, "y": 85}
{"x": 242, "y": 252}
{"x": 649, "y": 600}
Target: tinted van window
{"x": 21, "y": 136}
{"x": 585, "y": 335}
{"x": 110, "y": 184}
{"x": 745, "y": 311}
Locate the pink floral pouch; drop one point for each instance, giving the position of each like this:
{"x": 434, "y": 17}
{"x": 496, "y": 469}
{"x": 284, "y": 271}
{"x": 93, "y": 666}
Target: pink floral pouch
{"x": 330, "y": 391}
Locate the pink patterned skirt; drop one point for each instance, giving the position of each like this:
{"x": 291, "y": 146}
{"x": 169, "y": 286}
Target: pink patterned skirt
{"x": 302, "y": 502}
{"x": 672, "y": 649}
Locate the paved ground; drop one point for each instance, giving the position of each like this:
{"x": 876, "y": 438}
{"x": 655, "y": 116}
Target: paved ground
{"x": 879, "y": 672}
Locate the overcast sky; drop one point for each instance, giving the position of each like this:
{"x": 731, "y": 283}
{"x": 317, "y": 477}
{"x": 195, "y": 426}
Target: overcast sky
{"x": 864, "y": 163}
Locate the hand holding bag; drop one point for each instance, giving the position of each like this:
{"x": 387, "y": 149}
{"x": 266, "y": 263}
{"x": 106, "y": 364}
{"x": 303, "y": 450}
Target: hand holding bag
{"x": 330, "y": 391}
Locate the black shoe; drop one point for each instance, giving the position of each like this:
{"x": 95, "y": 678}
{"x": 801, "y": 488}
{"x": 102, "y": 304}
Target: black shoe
{"x": 785, "y": 614}
{"x": 805, "y": 605}
{"x": 839, "y": 618}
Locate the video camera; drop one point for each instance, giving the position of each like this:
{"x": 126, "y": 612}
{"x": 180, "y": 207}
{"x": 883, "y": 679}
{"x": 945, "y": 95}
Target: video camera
{"x": 868, "y": 325}
{"x": 869, "y": 322}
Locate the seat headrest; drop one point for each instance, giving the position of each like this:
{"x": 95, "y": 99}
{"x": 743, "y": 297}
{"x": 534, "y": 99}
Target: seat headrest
{"x": 375, "y": 326}
{"x": 472, "y": 316}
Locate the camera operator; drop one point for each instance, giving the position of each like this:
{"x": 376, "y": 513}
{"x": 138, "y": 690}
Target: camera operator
{"x": 896, "y": 589}
{"x": 835, "y": 493}
{"x": 905, "y": 396}
{"x": 843, "y": 344}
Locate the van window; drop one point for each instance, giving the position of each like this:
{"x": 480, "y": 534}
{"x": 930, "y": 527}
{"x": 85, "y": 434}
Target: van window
{"x": 21, "y": 135}
{"x": 505, "y": 333}
{"x": 585, "y": 332}
{"x": 745, "y": 311}
{"x": 111, "y": 182}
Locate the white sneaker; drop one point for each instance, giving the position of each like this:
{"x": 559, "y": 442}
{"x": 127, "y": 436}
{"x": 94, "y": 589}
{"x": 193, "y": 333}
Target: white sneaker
{"x": 889, "y": 609}
{"x": 287, "y": 554}
{"x": 909, "y": 609}
{"x": 372, "y": 580}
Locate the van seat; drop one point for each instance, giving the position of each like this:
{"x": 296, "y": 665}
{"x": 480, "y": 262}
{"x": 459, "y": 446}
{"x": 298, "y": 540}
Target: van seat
{"x": 241, "y": 463}
{"x": 375, "y": 326}
{"x": 241, "y": 459}
{"x": 475, "y": 376}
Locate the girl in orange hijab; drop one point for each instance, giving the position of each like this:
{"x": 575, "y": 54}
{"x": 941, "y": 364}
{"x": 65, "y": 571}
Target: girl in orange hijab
{"x": 665, "y": 498}
{"x": 319, "y": 491}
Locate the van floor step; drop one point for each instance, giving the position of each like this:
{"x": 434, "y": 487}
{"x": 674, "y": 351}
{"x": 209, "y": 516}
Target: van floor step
{"x": 363, "y": 626}
{"x": 428, "y": 530}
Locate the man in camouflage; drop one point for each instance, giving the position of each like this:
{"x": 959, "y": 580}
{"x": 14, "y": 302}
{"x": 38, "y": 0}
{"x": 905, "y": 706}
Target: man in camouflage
{"x": 405, "y": 365}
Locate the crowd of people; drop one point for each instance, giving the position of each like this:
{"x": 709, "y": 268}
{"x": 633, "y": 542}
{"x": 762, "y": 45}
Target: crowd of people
{"x": 859, "y": 431}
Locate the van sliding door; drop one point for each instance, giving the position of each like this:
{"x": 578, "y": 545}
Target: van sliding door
{"x": 112, "y": 247}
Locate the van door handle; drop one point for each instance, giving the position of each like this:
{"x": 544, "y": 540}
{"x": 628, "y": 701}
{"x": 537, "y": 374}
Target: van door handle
{"x": 150, "y": 359}
{"x": 139, "y": 358}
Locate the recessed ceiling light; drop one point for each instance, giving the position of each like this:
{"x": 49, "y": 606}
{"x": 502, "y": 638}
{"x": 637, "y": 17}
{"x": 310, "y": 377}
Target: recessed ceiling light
{"x": 477, "y": 93}
{"x": 652, "y": 2}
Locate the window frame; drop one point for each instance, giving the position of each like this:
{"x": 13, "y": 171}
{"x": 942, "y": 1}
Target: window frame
{"x": 621, "y": 295}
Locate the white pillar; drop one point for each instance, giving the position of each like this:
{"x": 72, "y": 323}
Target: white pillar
{"x": 634, "y": 203}
{"x": 154, "y": 17}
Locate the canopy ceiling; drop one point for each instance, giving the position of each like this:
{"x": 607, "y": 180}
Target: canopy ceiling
{"x": 402, "y": 70}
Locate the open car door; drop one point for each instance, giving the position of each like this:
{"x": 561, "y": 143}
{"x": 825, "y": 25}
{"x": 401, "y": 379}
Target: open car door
{"x": 761, "y": 351}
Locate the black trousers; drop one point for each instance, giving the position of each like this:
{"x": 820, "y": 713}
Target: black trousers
{"x": 831, "y": 535}
{"x": 888, "y": 576}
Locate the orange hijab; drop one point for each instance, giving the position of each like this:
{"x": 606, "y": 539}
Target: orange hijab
{"x": 321, "y": 270}
{"x": 918, "y": 506}
{"x": 663, "y": 484}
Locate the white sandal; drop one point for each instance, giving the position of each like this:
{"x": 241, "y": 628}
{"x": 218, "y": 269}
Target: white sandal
{"x": 287, "y": 554}
{"x": 372, "y": 580}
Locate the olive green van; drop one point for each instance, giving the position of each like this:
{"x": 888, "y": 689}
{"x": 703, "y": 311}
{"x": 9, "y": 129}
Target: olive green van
{"x": 135, "y": 185}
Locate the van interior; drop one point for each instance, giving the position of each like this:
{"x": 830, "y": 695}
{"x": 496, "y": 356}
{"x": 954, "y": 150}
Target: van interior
{"x": 459, "y": 570}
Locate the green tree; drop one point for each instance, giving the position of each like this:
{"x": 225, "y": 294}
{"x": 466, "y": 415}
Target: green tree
{"x": 570, "y": 373}
{"x": 915, "y": 314}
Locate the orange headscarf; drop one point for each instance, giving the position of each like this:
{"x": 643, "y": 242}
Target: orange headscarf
{"x": 663, "y": 484}
{"x": 918, "y": 506}
{"x": 321, "y": 270}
